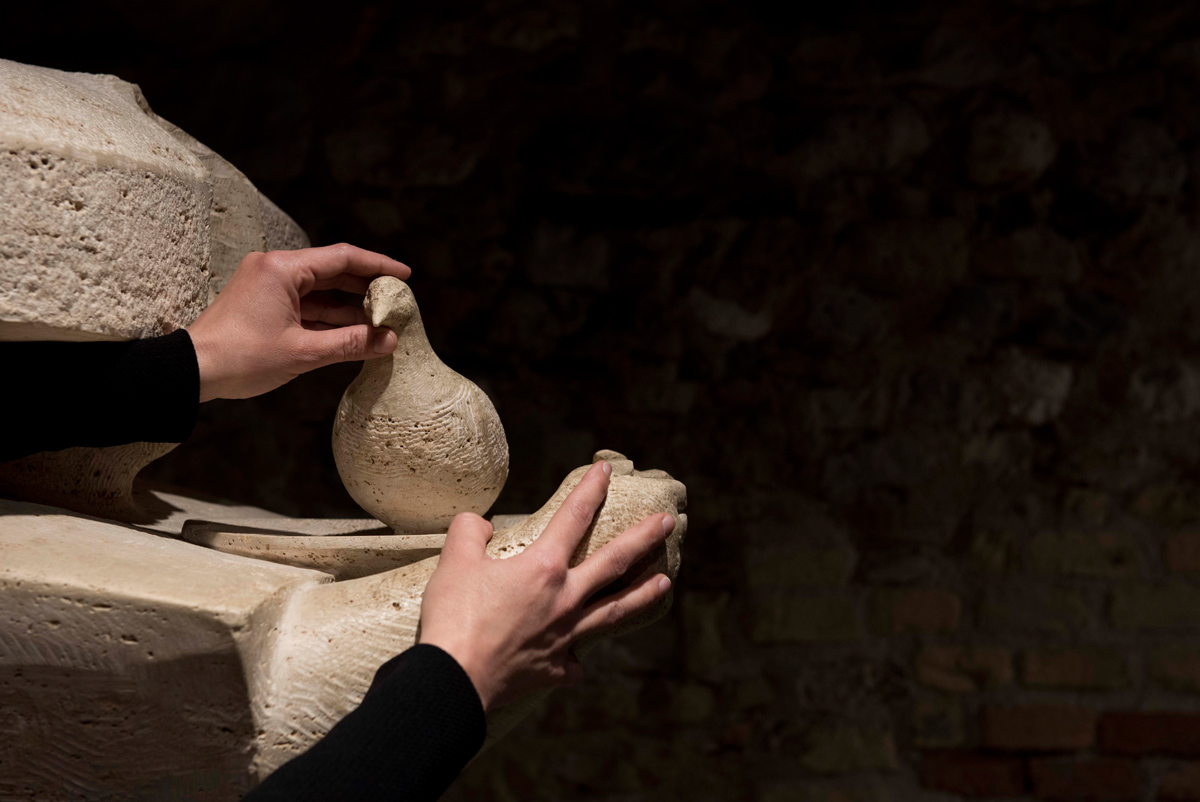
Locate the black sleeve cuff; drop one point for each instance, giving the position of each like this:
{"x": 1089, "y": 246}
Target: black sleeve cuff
{"x": 419, "y": 724}
{"x": 100, "y": 393}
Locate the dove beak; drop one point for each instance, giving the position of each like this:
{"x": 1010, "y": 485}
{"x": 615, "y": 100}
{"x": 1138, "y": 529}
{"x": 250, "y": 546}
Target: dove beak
{"x": 377, "y": 316}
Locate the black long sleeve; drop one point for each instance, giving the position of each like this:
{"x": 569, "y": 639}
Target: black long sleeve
{"x": 64, "y": 394}
{"x": 419, "y": 724}
{"x": 421, "y": 720}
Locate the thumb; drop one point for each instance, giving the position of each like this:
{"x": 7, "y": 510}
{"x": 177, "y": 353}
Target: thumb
{"x": 468, "y": 536}
{"x": 349, "y": 344}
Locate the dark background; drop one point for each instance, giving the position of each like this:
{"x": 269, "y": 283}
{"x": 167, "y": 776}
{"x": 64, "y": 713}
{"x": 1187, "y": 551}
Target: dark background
{"x": 908, "y": 296}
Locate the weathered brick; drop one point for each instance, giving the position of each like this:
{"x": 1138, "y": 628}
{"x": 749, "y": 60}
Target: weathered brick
{"x": 690, "y": 702}
{"x": 790, "y": 565}
{"x": 1018, "y": 608}
{"x": 1183, "y": 552}
{"x": 1088, "y": 506}
{"x": 1084, "y": 668}
{"x": 1160, "y": 608}
{"x": 702, "y": 614}
{"x": 1098, "y": 779}
{"x": 781, "y": 617}
{"x": 1150, "y": 733}
{"x": 1175, "y": 667}
{"x": 839, "y": 789}
{"x": 836, "y": 750}
{"x": 972, "y": 774}
{"x": 964, "y": 669}
{"x": 915, "y": 610}
{"x": 938, "y": 722}
{"x": 1037, "y": 728}
{"x": 1085, "y": 553}
{"x": 1181, "y": 784}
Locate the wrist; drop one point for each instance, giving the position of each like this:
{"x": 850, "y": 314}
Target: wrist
{"x": 207, "y": 362}
{"x": 470, "y": 667}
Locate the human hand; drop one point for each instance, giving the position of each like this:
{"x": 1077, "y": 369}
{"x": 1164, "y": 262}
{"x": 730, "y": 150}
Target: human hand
{"x": 510, "y": 623}
{"x": 274, "y": 319}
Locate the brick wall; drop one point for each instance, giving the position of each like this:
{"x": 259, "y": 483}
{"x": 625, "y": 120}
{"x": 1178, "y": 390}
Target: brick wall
{"x": 910, "y": 299}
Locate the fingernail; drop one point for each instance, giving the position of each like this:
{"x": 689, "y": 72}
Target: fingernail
{"x": 380, "y": 342}
{"x": 664, "y": 585}
{"x": 606, "y": 468}
{"x": 668, "y": 524}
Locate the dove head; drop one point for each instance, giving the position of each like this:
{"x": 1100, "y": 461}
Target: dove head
{"x": 389, "y": 302}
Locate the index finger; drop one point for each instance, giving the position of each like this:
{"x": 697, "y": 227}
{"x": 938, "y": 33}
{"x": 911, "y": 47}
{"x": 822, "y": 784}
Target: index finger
{"x": 572, "y": 519}
{"x": 312, "y": 265}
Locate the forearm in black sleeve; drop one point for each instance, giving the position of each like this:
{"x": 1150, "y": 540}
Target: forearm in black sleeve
{"x": 64, "y": 394}
{"x": 417, "y": 727}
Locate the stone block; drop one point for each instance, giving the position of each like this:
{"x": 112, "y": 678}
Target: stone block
{"x": 1036, "y": 389}
{"x": 1181, "y": 784}
{"x": 704, "y": 647}
{"x": 793, "y": 564}
{"x": 1088, "y": 506}
{"x": 1166, "y": 392}
{"x": 843, "y": 749}
{"x": 938, "y": 722}
{"x": 1009, "y": 147}
{"x": 1089, "y": 668}
{"x": 1183, "y": 553}
{"x": 691, "y": 703}
{"x": 1138, "y": 161}
{"x": 1105, "y": 553}
{"x": 1156, "y": 608}
{"x": 895, "y": 612}
{"x": 1097, "y": 780}
{"x": 1036, "y": 609}
{"x": 811, "y": 789}
{"x": 1037, "y": 252}
{"x": 964, "y": 669}
{"x": 118, "y": 224}
{"x": 105, "y": 231}
{"x": 783, "y": 617}
{"x": 909, "y": 255}
{"x": 1037, "y": 728}
{"x": 1150, "y": 733}
{"x": 1175, "y": 667}
{"x": 972, "y": 774}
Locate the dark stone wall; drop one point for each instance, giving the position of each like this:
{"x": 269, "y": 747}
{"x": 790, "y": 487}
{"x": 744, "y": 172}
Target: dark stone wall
{"x": 908, "y": 296}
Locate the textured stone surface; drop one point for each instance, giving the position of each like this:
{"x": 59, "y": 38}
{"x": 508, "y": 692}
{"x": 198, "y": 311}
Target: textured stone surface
{"x": 1092, "y": 668}
{"x": 415, "y": 442}
{"x": 106, "y": 227}
{"x": 1037, "y": 728}
{"x": 118, "y": 225}
{"x": 135, "y": 633}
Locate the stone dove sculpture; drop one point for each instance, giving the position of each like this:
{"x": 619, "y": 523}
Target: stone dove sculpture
{"x": 415, "y": 442}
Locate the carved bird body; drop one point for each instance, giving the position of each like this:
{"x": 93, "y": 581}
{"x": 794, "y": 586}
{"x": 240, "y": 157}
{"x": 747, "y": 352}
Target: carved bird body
{"x": 415, "y": 442}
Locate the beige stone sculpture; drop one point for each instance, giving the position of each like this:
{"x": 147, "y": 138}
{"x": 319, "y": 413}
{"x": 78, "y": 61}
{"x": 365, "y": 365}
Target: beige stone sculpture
{"x": 159, "y": 669}
{"x": 117, "y": 225}
{"x": 190, "y": 655}
{"x": 415, "y": 442}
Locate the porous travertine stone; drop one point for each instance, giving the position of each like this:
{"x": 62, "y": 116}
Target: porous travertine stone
{"x": 94, "y": 481}
{"x": 241, "y": 220}
{"x": 105, "y": 229}
{"x": 117, "y": 225}
{"x": 347, "y": 549}
{"x": 415, "y": 442}
{"x": 180, "y": 672}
